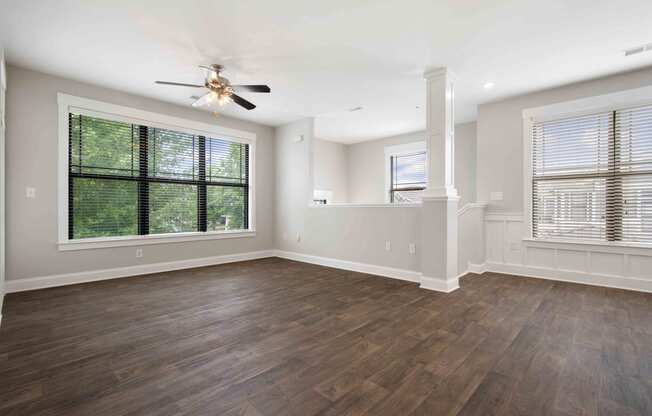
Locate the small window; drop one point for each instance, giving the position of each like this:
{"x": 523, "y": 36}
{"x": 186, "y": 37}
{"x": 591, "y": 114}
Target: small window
{"x": 406, "y": 166}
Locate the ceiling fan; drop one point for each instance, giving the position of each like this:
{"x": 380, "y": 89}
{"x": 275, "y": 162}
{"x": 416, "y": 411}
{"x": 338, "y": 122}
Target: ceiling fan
{"x": 220, "y": 89}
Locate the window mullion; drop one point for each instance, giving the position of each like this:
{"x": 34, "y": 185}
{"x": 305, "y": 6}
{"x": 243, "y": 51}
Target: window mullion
{"x": 201, "y": 187}
{"x": 391, "y": 180}
{"x": 245, "y": 205}
{"x": 71, "y": 193}
{"x": 614, "y": 209}
{"x": 143, "y": 183}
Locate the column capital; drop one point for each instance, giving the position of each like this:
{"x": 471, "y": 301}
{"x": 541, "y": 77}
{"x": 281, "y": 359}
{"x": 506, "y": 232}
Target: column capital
{"x": 441, "y": 72}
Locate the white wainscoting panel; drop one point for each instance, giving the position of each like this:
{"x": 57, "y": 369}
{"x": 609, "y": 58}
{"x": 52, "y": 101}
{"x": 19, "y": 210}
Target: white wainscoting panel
{"x": 507, "y": 251}
{"x": 572, "y": 260}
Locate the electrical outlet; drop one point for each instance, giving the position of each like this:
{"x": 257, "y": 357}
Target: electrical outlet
{"x": 412, "y": 248}
{"x": 388, "y": 245}
{"x": 30, "y": 192}
{"x": 139, "y": 252}
{"x": 298, "y": 237}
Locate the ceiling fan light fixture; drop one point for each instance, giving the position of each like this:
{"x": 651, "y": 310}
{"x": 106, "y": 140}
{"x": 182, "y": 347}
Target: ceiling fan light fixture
{"x": 220, "y": 90}
{"x": 223, "y": 99}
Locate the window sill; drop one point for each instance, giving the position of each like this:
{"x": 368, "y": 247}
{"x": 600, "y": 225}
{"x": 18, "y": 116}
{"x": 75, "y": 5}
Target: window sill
{"x": 349, "y": 205}
{"x": 596, "y": 245}
{"x": 142, "y": 240}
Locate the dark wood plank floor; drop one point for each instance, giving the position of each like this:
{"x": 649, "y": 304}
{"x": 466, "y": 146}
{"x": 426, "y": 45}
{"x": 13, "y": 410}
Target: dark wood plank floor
{"x": 275, "y": 337}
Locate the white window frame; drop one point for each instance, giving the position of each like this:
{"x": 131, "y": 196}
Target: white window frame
{"x": 68, "y": 103}
{"x": 400, "y": 150}
{"x": 575, "y": 108}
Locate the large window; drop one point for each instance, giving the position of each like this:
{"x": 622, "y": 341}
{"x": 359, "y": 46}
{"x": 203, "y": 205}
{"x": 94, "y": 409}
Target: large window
{"x": 592, "y": 177}
{"x": 128, "y": 179}
{"x": 406, "y": 177}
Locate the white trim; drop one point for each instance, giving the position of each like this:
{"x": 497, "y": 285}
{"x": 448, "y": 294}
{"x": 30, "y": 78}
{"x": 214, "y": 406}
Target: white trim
{"x": 68, "y": 103}
{"x": 136, "y": 116}
{"x": 506, "y": 216}
{"x": 141, "y": 240}
{"x": 477, "y": 268}
{"x": 619, "y": 247}
{"x": 440, "y": 285}
{"x": 440, "y": 198}
{"x": 398, "y": 150}
{"x": 41, "y": 282}
{"x": 607, "y": 102}
{"x": 350, "y": 205}
{"x": 593, "y": 279}
{"x": 401, "y": 274}
{"x": 469, "y": 206}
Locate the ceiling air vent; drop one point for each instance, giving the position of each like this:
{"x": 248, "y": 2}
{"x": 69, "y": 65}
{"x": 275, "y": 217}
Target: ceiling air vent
{"x": 638, "y": 49}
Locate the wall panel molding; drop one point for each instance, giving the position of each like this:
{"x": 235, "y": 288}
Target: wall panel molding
{"x": 617, "y": 266}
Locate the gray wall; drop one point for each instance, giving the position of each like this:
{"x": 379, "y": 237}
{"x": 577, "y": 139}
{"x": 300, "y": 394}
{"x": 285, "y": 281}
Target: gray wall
{"x": 293, "y": 182}
{"x": 32, "y": 161}
{"x": 500, "y": 135}
{"x": 347, "y": 233}
{"x": 465, "y": 162}
{"x": 331, "y": 169}
{"x": 367, "y": 165}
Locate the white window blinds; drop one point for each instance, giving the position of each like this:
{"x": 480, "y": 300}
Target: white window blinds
{"x": 408, "y": 177}
{"x": 592, "y": 177}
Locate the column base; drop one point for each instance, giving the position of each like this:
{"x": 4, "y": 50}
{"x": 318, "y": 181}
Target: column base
{"x": 440, "y": 285}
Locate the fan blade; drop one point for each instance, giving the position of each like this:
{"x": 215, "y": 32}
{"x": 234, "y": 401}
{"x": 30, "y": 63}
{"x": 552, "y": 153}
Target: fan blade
{"x": 252, "y": 88}
{"x": 180, "y": 84}
{"x": 204, "y": 99}
{"x": 210, "y": 68}
{"x": 242, "y": 102}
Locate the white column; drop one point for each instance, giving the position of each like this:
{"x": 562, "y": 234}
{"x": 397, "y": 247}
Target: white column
{"x": 439, "y": 212}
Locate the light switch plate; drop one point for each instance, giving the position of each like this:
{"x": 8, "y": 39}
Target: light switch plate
{"x": 30, "y": 192}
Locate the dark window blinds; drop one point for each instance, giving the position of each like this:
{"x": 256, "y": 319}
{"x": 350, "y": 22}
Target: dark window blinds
{"x": 127, "y": 179}
{"x": 408, "y": 177}
{"x": 592, "y": 177}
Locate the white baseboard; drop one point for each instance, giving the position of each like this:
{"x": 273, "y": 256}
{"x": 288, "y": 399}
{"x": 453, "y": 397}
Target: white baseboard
{"x": 42, "y": 282}
{"x": 401, "y": 274}
{"x": 617, "y": 282}
{"x": 477, "y": 268}
{"x": 440, "y": 285}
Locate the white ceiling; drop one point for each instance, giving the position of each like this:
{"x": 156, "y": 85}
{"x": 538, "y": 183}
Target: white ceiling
{"x": 322, "y": 58}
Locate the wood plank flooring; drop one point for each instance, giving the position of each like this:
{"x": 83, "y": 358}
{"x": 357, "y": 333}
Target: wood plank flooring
{"x": 276, "y": 337}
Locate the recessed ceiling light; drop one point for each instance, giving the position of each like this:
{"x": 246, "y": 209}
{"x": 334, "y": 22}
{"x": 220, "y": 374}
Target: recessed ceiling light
{"x": 488, "y": 85}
